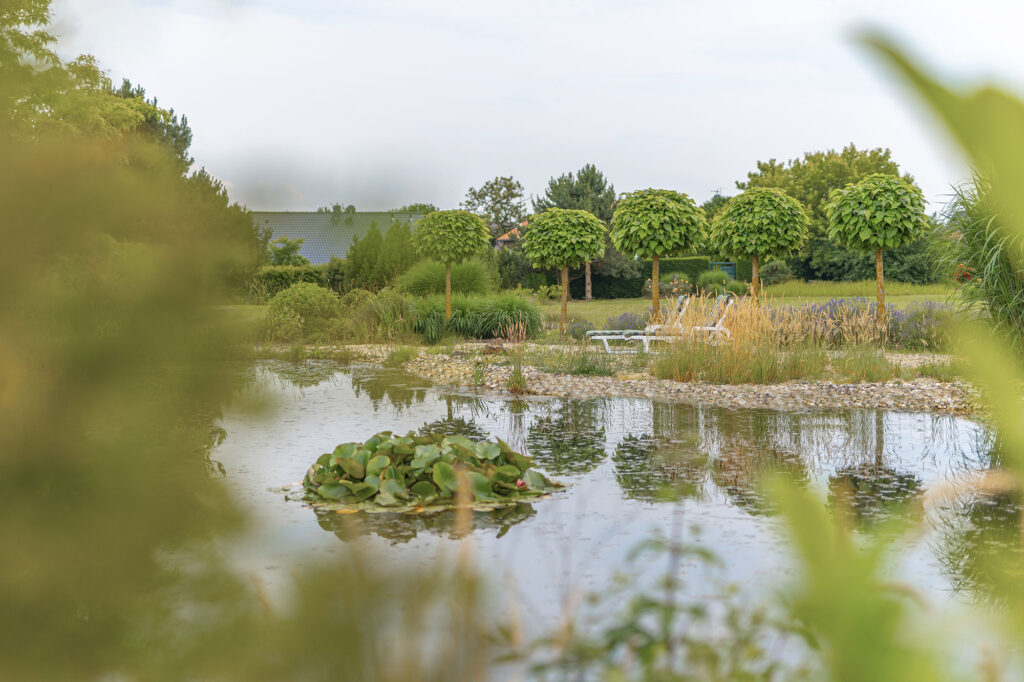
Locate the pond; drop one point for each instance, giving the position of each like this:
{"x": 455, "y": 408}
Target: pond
{"x": 632, "y": 468}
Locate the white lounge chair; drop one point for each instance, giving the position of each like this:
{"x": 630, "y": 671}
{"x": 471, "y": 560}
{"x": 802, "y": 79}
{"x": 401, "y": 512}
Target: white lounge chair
{"x": 672, "y": 331}
{"x": 713, "y": 326}
{"x": 673, "y": 322}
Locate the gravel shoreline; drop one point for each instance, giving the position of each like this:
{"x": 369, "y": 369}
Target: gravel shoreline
{"x": 469, "y": 367}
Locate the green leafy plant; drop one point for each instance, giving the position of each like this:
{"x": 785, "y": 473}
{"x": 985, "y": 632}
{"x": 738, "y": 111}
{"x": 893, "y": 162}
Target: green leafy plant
{"x": 652, "y": 223}
{"x": 285, "y": 251}
{"x": 428, "y": 277}
{"x": 450, "y": 237}
{"x": 776, "y": 272}
{"x": 400, "y": 356}
{"x": 477, "y": 317}
{"x": 564, "y": 238}
{"x": 878, "y": 213}
{"x": 760, "y": 223}
{"x": 414, "y": 471}
{"x": 301, "y": 310}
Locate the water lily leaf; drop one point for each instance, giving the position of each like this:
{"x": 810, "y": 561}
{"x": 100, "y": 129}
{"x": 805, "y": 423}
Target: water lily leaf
{"x": 394, "y": 488}
{"x": 423, "y": 489}
{"x": 332, "y": 492}
{"x": 460, "y": 441}
{"x": 444, "y": 476}
{"x": 386, "y": 500}
{"x": 507, "y": 474}
{"x": 537, "y": 481}
{"x": 373, "y": 480}
{"x": 522, "y": 461}
{"x": 425, "y": 456}
{"x": 352, "y": 467}
{"x": 324, "y": 459}
{"x": 372, "y": 443}
{"x": 361, "y": 491}
{"x": 362, "y": 456}
{"x": 346, "y": 449}
{"x": 481, "y": 487}
{"x": 506, "y": 448}
{"x": 377, "y": 465}
{"x": 491, "y": 451}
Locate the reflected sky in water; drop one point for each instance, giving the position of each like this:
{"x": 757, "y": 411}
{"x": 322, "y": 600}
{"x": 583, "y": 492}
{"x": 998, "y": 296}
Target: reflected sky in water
{"x": 632, "y": 467}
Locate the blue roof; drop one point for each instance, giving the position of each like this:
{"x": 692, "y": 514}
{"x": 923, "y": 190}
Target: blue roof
{"x": 324, "y": 235}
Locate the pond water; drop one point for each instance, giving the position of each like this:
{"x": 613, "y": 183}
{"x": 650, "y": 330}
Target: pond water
{"x": 632, "y": 468}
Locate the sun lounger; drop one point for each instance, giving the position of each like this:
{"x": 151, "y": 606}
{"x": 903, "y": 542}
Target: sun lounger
{"x": 606, "y": 335}
{"x": 714, "y": 325}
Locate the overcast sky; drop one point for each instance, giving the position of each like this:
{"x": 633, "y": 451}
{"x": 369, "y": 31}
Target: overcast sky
{"x": 300, "y": 103}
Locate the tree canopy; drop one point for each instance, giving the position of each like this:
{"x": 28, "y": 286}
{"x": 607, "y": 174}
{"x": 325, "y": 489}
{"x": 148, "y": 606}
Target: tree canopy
{"x": 760, "y": 223}
{"x": 810, "y": 180}
{"x": 657, "y": 223}
{"x": 563, "y": 237}
{"x": 586, "y": 189}
{"x": 878, "y": 213}
{"x": 450, "y": 237}
{"x": 498, "y": 201}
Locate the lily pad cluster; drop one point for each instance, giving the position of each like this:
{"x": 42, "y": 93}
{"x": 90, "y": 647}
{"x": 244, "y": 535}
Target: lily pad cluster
{"x": 423, "y": 471}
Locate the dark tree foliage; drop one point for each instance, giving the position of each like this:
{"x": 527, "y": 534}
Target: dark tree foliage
{"x": 810, "y": 180}
{"x": 340, "y": 213}
{"x": 416, "y": 208}
{"x": 162, "y": 126}
{"x": 586, "y": 189}
{"x": 714, "y": 205}
{"x": 499, "y": 202}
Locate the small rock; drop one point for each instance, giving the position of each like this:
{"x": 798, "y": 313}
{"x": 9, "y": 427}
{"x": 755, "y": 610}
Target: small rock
{"x": 458, "y": 354}
{"x": 494, "y": 346}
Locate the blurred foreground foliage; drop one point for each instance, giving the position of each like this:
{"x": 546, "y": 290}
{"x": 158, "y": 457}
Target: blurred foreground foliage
{"x": 114, "y": 363}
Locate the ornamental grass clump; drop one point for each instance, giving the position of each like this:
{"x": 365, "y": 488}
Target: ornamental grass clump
{"x": 413, "y": 472}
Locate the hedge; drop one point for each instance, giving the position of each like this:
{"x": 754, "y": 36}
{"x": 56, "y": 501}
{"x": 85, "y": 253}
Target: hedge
{"x": 273, "y": 279}
{"x": 690, "y": 267}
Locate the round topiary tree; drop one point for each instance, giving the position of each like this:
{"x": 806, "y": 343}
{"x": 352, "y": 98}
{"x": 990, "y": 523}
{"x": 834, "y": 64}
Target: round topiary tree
{"x": 450, "y": 237}
{"x": 564, "y": 238}
{"x": 761, "y": 223}
{"x": 880, "y": 212}
{"x": 653, "y": 223}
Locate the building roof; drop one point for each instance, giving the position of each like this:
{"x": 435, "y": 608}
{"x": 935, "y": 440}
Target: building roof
{"x": 324, "y": 236}
{"x": 511, "y": 235}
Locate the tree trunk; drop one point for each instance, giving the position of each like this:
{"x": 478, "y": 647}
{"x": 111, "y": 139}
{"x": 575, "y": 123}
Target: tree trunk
{"x": 880, "y": 280}
{"x": 655, "y": 291}
{"x": 755, "y": 284}
{"x": 448, "y": 292}
{"x": 589, "y": 290}
{"x": 565, "y": 296}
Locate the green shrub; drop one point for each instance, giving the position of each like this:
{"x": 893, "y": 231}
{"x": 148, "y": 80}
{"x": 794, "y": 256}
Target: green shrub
{"x": 690, "y": 267}
{"x": 477, "y": 317}
{"x": 736, "y": 287}
{"x": 712, "y": 280}
{"x": 426, "y": 278}
{"x": 271, "y": 280}
{"x": 366, "y": 317}
{"x": 301, "y": 311}
{"x": 775, "y": 272}
{"x": 400, "y": 356}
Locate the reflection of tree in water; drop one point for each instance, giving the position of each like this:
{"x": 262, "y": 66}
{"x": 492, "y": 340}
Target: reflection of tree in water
{"x": 454, "y": 426}
{"x": 304, "y": 374}
{"x": 399, "y": 388}
{"x": 870, "y": 492}
{"x": 569, "y": 440}
{"x": 981, "y": 548}
{"x": 400, "y": 528}
{"x": 750, "y": 448}
{"x": 650, "y": 470}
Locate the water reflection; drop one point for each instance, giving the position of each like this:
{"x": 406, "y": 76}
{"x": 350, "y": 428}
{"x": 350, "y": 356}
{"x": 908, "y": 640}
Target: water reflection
{"x": 389, "y": 388}
{"x": 569, "y": 439}
{"x": 304, "y": 374}
{"x": 401, "y": 528}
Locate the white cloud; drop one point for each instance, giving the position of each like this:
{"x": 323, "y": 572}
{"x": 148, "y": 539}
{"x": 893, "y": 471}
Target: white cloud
{"x": 302, "y": 103}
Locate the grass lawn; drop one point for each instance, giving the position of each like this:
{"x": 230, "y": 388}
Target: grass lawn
{"x": 898, "y": 295}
